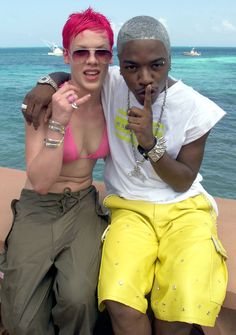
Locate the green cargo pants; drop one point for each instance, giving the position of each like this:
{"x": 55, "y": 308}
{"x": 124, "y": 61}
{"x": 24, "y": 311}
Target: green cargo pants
{"x": 52, "y": 261}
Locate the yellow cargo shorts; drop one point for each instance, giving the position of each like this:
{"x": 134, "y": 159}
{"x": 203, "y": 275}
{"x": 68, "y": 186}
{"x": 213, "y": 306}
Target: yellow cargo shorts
{"x": 171, "y": 251}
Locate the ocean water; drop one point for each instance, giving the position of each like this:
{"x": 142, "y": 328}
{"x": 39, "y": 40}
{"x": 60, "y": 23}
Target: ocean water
{"x": 213, "y": 74}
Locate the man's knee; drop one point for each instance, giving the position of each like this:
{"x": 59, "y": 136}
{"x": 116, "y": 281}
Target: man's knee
{"x": 121, "y": 312}
{"x": 173, "y": 328}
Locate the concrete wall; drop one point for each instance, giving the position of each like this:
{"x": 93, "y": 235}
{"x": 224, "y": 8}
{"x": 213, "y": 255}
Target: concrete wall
{"x": 12, "y": 181}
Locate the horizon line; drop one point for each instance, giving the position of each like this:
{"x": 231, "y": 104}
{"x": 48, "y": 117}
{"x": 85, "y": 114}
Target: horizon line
{"x": 173, "y": 46}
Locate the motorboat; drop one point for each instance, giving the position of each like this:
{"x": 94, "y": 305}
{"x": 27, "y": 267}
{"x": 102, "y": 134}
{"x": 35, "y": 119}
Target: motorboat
{"x": 192, "y": 53}
{"x": 55, "y": 50}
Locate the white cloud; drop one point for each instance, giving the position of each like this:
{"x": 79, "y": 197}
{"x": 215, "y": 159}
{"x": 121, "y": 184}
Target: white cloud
{"x": 228, "y": 25}
{"x": 224, "y": 25}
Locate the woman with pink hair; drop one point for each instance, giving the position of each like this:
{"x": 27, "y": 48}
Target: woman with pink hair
{"x": 53, "y": 250}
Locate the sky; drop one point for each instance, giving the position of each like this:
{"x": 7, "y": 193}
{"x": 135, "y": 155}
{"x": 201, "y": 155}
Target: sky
{"x": 29, "y": 23}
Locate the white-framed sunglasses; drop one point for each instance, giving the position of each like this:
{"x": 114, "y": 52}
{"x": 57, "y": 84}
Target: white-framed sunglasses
{"x": 80, "y": 56}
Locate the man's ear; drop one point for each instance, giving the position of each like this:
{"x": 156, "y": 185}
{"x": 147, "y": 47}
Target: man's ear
{"x": 66, "y": 56}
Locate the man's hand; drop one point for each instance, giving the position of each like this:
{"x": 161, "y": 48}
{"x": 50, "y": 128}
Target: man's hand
{"x": 140, "y": 121}
{"x": 38, "y": 101}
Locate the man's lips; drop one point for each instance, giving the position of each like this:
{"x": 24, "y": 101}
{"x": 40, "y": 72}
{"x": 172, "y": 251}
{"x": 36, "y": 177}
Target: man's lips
{"x": 141, "y": 93}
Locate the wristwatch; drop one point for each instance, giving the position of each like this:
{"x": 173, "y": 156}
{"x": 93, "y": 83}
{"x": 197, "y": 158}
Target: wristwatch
{"x": 144, "y": 152}
{"x": 48, "y": 80}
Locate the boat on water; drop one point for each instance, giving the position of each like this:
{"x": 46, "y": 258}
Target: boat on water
{"x": 55, "y": 50}
{"x": 192, "y": 53}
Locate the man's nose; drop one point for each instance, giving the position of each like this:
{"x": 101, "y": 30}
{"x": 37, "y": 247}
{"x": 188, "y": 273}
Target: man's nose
{"x": 146, "y": 77}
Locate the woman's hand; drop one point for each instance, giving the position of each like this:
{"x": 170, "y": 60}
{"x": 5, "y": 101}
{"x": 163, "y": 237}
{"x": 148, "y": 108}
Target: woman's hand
{"x": 64, "y": 100}
{"x": 39, "y": 101}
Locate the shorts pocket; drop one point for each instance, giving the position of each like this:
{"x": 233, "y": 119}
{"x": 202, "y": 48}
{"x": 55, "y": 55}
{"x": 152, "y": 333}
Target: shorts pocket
{"x": 219, "y": 247}
{"x": 219, "y": 273}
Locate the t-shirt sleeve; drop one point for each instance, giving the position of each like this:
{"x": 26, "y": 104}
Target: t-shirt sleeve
{"x": 204, "y": 117}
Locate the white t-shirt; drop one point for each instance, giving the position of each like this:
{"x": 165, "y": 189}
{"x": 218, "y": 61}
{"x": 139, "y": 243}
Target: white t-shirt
{"x": 187, "y": 116}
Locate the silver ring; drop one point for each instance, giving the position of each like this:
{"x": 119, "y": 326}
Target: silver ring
{"x": 23, "y": 106}
{"x": 74, "y": 105}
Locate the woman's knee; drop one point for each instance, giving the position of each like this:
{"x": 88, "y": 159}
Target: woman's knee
{"x": 78, "y": 297}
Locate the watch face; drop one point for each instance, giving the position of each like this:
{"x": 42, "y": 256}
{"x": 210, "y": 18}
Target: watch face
{"x": 48, "y": 80}
{"x": 43, "y": 80}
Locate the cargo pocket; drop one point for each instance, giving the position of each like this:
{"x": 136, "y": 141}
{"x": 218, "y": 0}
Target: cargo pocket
{"x": 219, "y": 247}
{"x": 219, "y": 273}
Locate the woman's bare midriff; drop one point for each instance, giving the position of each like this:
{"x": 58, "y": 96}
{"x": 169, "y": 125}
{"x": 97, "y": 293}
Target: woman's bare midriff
{"x": 76, "y": 176}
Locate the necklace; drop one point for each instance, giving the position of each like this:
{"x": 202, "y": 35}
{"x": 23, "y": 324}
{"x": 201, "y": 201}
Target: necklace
{"x": 136, "y": 172}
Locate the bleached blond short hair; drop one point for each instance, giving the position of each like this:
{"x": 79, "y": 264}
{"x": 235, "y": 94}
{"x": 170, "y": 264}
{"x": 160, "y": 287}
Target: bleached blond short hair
{"x": 143, "y": 27}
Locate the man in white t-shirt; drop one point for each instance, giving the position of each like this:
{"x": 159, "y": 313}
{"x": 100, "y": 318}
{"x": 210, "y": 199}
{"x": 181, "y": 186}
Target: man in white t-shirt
{"x": 162, "y": 238}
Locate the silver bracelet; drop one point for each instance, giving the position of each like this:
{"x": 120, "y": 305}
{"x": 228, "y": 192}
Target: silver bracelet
{"x": 56, "y": 126}
{"x": 51, "y": 143}
{"x": 158, "y": 150}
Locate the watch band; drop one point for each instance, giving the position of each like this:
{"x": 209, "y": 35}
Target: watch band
{"x": 48, "y": 80}
{"x": 145, "y": 152}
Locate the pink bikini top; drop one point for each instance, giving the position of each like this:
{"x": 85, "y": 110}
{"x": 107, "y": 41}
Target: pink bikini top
{"x": 70, "y": 150}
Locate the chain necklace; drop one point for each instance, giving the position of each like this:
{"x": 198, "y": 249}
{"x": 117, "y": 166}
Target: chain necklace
{"x": 136, "y": 172}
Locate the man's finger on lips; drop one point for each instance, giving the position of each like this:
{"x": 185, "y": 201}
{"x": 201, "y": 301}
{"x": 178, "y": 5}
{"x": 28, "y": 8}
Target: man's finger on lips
{"x": 148, "y": 97}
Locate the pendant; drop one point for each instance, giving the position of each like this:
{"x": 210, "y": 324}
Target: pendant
{"x": 136, "y": 172}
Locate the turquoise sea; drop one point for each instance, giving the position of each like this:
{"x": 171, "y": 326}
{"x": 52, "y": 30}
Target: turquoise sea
{"x": 213, "y": 74}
